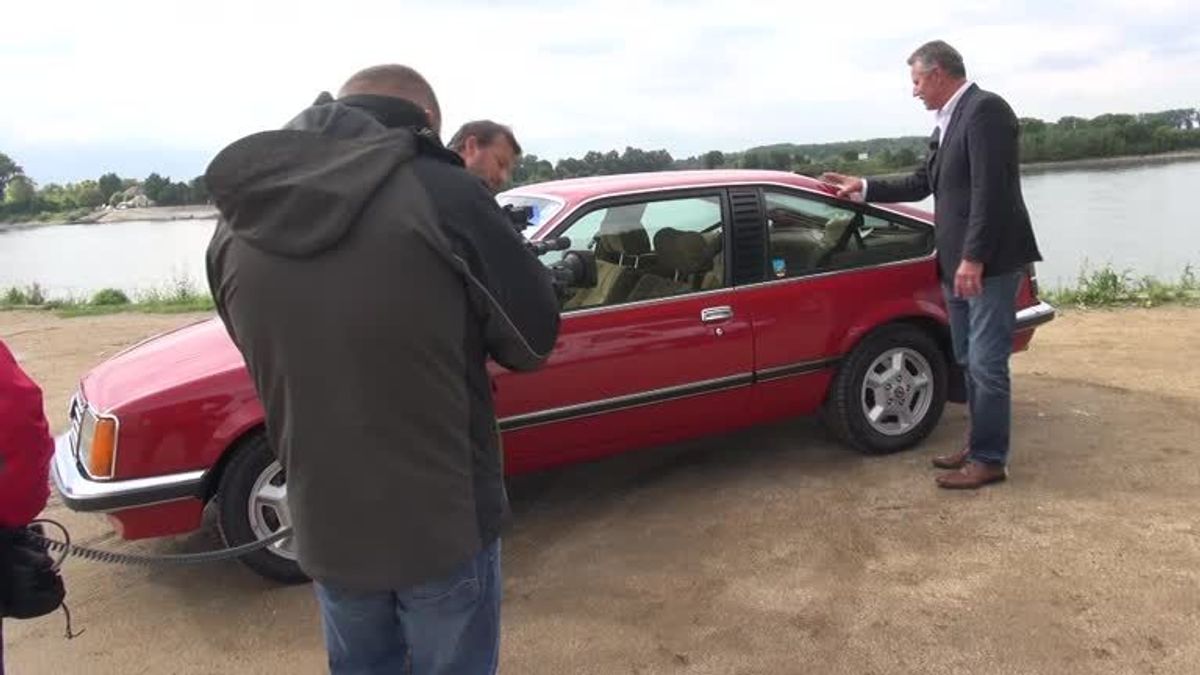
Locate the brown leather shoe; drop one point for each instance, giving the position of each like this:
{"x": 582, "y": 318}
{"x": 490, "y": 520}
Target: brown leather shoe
{"x": 953, "y": 460}
{"x": 972, "y": 476}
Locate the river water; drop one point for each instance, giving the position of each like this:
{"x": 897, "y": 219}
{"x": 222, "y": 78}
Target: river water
{"x": 1138, "y": 218}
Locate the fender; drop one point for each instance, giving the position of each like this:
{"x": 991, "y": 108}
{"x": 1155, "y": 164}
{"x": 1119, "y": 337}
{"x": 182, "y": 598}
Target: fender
{"x": 246, "y": 416}
{"x": 898, "y": 309}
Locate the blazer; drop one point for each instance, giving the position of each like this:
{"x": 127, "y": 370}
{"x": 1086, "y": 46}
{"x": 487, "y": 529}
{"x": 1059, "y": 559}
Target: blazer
{"x": 975, "y": 178}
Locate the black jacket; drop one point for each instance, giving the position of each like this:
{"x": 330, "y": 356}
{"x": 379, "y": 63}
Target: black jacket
{"x": 975, "y": 178}
{"x": 366, "y": 277}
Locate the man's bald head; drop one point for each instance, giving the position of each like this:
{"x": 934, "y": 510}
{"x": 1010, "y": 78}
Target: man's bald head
{"x": 399, "y": 82}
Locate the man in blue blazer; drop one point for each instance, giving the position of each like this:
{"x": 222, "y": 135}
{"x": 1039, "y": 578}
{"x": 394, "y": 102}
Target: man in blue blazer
{"x": 984, "y": 242}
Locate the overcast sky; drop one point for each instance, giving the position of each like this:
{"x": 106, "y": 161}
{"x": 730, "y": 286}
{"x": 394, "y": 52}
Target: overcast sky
{"x": 136, "y": 86}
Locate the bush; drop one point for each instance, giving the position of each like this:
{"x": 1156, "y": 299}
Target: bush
{"x": 14, "y": 296}
{"x": 33, "y": 294}
{"x": 183, "y": 292}
{"x": 110, "y": 296}
{"x": 1106, "y": 287}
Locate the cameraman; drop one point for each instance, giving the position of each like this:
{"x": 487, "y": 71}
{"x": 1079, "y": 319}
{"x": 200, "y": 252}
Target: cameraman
{"x": 366, "y": 278}
{"x": 489, "y": 150}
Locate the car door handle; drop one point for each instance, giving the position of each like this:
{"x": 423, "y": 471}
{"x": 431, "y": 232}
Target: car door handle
{"x": 712, "y": 314}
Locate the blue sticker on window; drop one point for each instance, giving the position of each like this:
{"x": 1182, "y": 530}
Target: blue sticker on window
{"x": 779, "y": 266}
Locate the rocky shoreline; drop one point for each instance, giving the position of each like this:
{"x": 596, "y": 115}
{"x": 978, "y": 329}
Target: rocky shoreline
{"x": 104, "y": 216}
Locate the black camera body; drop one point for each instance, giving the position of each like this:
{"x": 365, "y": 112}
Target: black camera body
{"x": 577, "y": 269}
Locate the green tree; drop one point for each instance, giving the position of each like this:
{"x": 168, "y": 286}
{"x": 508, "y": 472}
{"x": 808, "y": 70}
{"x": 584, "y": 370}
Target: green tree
{"x": 905, "y": 157}
{"x": 198, "y": 191}
{"x": 1032, "y": 125}
{"x": 57, "y": 197}
{"x": 714, "y": 159}
{"x": 154, "y": 186}
{"x": 86, "y": 193}
{"x": 20, "y": 194}
{"x": 8, "y": 170}
{"x": 110, "y": 184}
{"x": 531, "y": 169}
{"x": 170, "y": 194}
{"x": 1071, "y": 122}
{"x": 569, "y": 167}
{"x": 1111, "y": 120}
{"x": 754, "y": 159}
{"x": 657, "y": 160}
{"x": 779, "y": 159}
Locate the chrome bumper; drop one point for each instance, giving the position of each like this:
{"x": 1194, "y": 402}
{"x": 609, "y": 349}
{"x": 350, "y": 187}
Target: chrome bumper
{"x": 1031, "y": 317}
{"x": 81, "y": 493}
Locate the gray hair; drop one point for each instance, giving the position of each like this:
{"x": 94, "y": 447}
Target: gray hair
{"x": 938, "y": 53}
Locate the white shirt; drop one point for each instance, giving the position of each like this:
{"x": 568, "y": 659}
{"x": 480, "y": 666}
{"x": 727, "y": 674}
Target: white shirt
{"x": 946, "y": 112}
{"x": 942, "y": 118}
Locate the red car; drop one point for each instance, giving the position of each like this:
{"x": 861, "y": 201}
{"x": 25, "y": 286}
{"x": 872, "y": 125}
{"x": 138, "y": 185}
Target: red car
{"x": 723, "y": 299}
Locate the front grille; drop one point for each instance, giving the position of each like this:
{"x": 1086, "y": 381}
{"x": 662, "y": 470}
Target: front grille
{"x": 75, "y": 415}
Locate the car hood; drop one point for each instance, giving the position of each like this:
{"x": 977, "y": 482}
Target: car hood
{"x": 160, "y": 364}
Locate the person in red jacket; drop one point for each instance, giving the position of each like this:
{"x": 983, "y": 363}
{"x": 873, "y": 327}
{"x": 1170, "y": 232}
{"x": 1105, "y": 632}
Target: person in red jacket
{"x": 25, "y": 445}
{"x": 25, "y": 451}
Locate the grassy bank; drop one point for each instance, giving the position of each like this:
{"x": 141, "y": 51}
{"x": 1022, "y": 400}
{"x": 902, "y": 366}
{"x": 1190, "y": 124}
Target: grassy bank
{"x": 1106, "y": 287}
{"x": 178, "y": 297}
{"x": 1102, "y": 287}
{"x": 45, "y": 217}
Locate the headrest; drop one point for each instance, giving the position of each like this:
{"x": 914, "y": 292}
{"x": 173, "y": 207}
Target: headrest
{"x": 631, "y": 242}
{"x": 621, "y": 231}
{"x": 687, "y": 252}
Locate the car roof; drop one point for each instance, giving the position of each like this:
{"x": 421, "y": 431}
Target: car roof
{"x": 573, "y": 191}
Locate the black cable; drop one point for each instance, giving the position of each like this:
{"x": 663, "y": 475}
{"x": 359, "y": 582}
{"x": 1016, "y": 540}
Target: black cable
{"x": 67, "y": 548}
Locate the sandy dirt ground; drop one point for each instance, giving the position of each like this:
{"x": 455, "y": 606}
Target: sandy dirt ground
{"x": 768, "y": 551}
{"x": 188, "y": 212}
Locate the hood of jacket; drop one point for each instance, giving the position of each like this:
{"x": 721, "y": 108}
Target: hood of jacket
{"x": 299, "y": 190}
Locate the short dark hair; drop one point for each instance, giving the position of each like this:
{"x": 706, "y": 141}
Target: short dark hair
{"x": 485, "y": 132}
{"x": 940, "y": 54}
{"x": 398, "y": 81}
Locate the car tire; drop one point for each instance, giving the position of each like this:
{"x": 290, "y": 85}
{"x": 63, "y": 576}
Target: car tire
{"x": 907, "y": 372}
{"x": 250, "y": 484}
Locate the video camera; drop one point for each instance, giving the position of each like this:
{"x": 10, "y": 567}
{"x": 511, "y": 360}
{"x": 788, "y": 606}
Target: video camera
{"x": 577, "y": 269}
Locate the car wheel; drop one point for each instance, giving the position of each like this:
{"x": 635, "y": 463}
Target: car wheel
{"x": 890, "y": 391}
{"x": 253, "y": 505}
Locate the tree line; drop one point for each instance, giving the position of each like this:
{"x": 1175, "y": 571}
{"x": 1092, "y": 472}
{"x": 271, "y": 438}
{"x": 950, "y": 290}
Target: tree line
{"x": 1070, "y": 138}
{"x": 23, "y": 197}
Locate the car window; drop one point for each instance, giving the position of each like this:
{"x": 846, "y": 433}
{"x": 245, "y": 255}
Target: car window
{"x": 881, "y": 240}
{"x": 806, "y": 236}
{"x": 650, "y": 249}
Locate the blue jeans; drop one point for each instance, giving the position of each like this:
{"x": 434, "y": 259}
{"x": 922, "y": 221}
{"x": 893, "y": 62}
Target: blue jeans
{"x": 445, "y": 627}
{"x": 981, "y": 329}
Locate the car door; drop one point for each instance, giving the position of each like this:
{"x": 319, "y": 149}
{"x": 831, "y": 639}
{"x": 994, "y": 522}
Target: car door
{"x": 831, "y": 268}
{"x": 658, "y": 351}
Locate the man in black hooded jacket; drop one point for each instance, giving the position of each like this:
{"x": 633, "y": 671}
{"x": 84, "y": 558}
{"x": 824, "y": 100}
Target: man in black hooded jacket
{"x": 366, "y": 278}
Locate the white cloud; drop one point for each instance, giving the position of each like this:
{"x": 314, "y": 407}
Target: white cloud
{"x": 688, "y": 76}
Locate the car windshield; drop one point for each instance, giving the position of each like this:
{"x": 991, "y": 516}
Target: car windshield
{"x": 543, "y": 209}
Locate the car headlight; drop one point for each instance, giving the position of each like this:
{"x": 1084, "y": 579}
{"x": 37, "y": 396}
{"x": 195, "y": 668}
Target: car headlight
{"x": 96, "y": 444}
